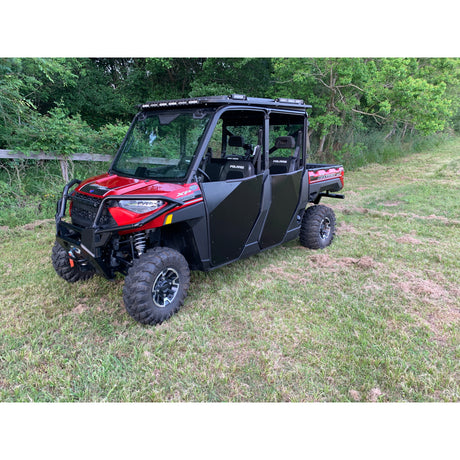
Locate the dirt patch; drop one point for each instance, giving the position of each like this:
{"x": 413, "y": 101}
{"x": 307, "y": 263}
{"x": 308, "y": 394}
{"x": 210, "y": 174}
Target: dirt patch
{"x": 346, "y": 229}
{"x": 439, "y": 320}
{"x": 374, "y": 394}
{"x": 355, "y": 210}
{"x": 80, "y": 308}
{"x": 281, "y": 272}
{"x": 355, "y": 395}
{"x": 441, "y": 306}
{"x": 324, "y": 260}
{"x": 390, "y": 204}
{"x": 423, "y": 288}
{"x": 407, "y": 239}
{"x": 37, "y": 223}
{"x": 373, "y": 212}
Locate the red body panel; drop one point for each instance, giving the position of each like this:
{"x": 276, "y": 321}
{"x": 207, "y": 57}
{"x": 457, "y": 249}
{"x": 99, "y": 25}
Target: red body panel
{"x": 118, "y": 186}
{"x": 320, "y": 175}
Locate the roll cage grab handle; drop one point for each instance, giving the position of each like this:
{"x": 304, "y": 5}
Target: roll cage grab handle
{"x": 172, "y": 203}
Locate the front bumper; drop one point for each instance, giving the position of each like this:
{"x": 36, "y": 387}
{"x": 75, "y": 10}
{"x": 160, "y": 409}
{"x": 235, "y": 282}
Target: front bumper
{"x": 92, "y": 240}
{"x": 88, "y": 242}
{"x": 86, "y": 239}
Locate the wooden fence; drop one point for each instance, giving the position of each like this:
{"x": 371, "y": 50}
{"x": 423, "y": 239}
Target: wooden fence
{"x": 63, "y": 160}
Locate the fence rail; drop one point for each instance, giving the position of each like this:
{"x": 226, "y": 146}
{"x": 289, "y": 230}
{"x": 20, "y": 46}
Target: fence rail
{"x": 63, "y": 160}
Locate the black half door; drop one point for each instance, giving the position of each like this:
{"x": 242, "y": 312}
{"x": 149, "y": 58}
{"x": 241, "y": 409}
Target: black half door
{"x": 285, "y": 197}
{"x": 233, "y": 207}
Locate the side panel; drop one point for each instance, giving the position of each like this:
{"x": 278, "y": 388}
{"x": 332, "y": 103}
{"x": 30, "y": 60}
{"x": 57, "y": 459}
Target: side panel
{"x": 324, "y": 178}
{"x": 232, "y": 207}
{"x": 285, "y": 197}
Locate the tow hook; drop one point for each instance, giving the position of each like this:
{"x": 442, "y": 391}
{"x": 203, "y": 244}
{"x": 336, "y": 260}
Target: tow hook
{"x": 75, "y": 256}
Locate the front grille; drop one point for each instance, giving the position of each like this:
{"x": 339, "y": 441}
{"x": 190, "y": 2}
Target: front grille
{"x": 84, "y": 210}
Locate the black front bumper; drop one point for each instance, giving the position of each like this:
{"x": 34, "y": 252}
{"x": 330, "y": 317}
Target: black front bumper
{"x": 92, "y": 239}
{"x": 86, "y": 239}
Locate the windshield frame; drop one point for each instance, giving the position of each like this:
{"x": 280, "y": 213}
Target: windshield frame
{"x": 208, "y": 112}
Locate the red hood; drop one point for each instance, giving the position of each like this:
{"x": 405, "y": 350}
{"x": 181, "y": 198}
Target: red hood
{"x": 111, "y": 184}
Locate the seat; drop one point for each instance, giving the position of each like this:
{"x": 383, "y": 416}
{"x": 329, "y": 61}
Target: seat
{"x": 237, "y": 169}
{"x": 283, "y": 165}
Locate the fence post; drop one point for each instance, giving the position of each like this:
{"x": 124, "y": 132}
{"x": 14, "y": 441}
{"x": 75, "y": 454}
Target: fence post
{"x": 64, "y": 170}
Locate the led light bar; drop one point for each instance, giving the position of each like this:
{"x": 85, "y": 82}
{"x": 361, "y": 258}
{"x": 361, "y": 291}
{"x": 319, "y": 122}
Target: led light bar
{"x": 151, "y": 105}
{"x": 229, "y": 99}
{"x": 239, "y": 97}
{"x": 286, "y": 100}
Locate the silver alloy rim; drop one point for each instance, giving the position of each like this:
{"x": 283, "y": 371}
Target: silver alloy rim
{"x": 165, "y": 287}
{"x": 325, "y": 228}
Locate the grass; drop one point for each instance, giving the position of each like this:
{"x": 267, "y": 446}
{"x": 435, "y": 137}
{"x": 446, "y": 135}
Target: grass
{"x": 374, "y": 317}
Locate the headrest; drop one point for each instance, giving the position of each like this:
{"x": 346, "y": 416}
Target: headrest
{"x": 285, "y": 142}
{"x": 236, "y": 141}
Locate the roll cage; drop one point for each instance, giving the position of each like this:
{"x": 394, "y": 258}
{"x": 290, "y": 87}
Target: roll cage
{"x": 236, "y": 110}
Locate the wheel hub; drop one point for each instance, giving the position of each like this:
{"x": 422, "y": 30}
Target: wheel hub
{"x": 165, "y": 287}
{"x": 325, "y": 228}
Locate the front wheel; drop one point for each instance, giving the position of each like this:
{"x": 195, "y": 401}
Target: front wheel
{"x": 156, "y": 285}
{"x": 317, "y": 227}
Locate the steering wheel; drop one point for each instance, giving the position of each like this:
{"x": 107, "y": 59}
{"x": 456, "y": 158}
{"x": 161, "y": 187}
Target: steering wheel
{"x": 205, "y": 175}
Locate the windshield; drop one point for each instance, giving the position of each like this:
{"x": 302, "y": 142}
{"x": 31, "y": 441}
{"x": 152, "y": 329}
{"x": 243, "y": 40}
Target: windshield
{"x": 161, "y": 145}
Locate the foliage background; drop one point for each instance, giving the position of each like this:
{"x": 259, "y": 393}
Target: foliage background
{"x": 359, "y": 104}
{"x": 364, "y": 110}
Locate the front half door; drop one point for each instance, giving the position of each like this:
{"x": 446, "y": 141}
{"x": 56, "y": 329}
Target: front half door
{"x": 233, "y": 207}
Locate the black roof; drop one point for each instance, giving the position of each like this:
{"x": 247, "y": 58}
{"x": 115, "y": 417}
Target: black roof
{"x": 239, "y": 99}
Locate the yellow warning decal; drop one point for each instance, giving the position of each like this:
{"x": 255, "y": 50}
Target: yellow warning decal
{"x": 168, "y": 219}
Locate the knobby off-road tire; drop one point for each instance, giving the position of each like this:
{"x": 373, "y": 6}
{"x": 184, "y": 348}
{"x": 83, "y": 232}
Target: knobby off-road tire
{"x": 156, "y": 285}
{"x": 61, "y": 263}
{"x": 318, "y": 227}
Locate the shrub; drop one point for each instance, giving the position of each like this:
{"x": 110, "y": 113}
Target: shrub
{"x": 58, "y": 132}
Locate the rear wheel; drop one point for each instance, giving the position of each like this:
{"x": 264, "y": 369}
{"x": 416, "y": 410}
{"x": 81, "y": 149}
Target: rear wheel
{"x": 317, "y": 227}
{"x": 156, "y": 285}
{"x": 67, "y": 268}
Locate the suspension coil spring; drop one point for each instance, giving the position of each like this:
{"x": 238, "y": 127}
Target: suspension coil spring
{"x": 140, "y": 242}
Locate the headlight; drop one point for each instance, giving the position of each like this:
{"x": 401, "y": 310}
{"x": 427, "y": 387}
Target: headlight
{"x": 141, "y": 206}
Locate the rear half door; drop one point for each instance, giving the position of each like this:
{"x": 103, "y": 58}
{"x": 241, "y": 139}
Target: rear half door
{"x": 286, "y": 142}
{"x": 285, "y": 196}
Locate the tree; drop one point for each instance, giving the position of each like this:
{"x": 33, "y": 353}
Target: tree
{"x": 333, "y": 86}
{"x": 21, "y": 81}
{"x": 411, "y": 93}
{"x": 349, "y": 95}
{"x": 218, "y": 76}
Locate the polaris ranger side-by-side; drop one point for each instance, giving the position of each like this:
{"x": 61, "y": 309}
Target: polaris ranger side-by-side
{"x": 196, "y": 184}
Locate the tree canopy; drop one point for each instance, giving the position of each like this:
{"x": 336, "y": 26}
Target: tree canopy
{"x": 72, "y": 103}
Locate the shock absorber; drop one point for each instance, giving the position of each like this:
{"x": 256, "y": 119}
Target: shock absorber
{"x": 139, "y": 242}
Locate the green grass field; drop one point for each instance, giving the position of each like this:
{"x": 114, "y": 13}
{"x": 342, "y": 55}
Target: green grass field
{"x": 374, "y": 317}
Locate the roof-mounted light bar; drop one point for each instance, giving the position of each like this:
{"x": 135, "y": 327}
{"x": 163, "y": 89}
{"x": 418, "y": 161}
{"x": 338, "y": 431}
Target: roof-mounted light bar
{"x": 286, "y": 100}
{"x": 233, "y": 98}
{"x": 173, "y": 103}
{"x": 239, "y": 97}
